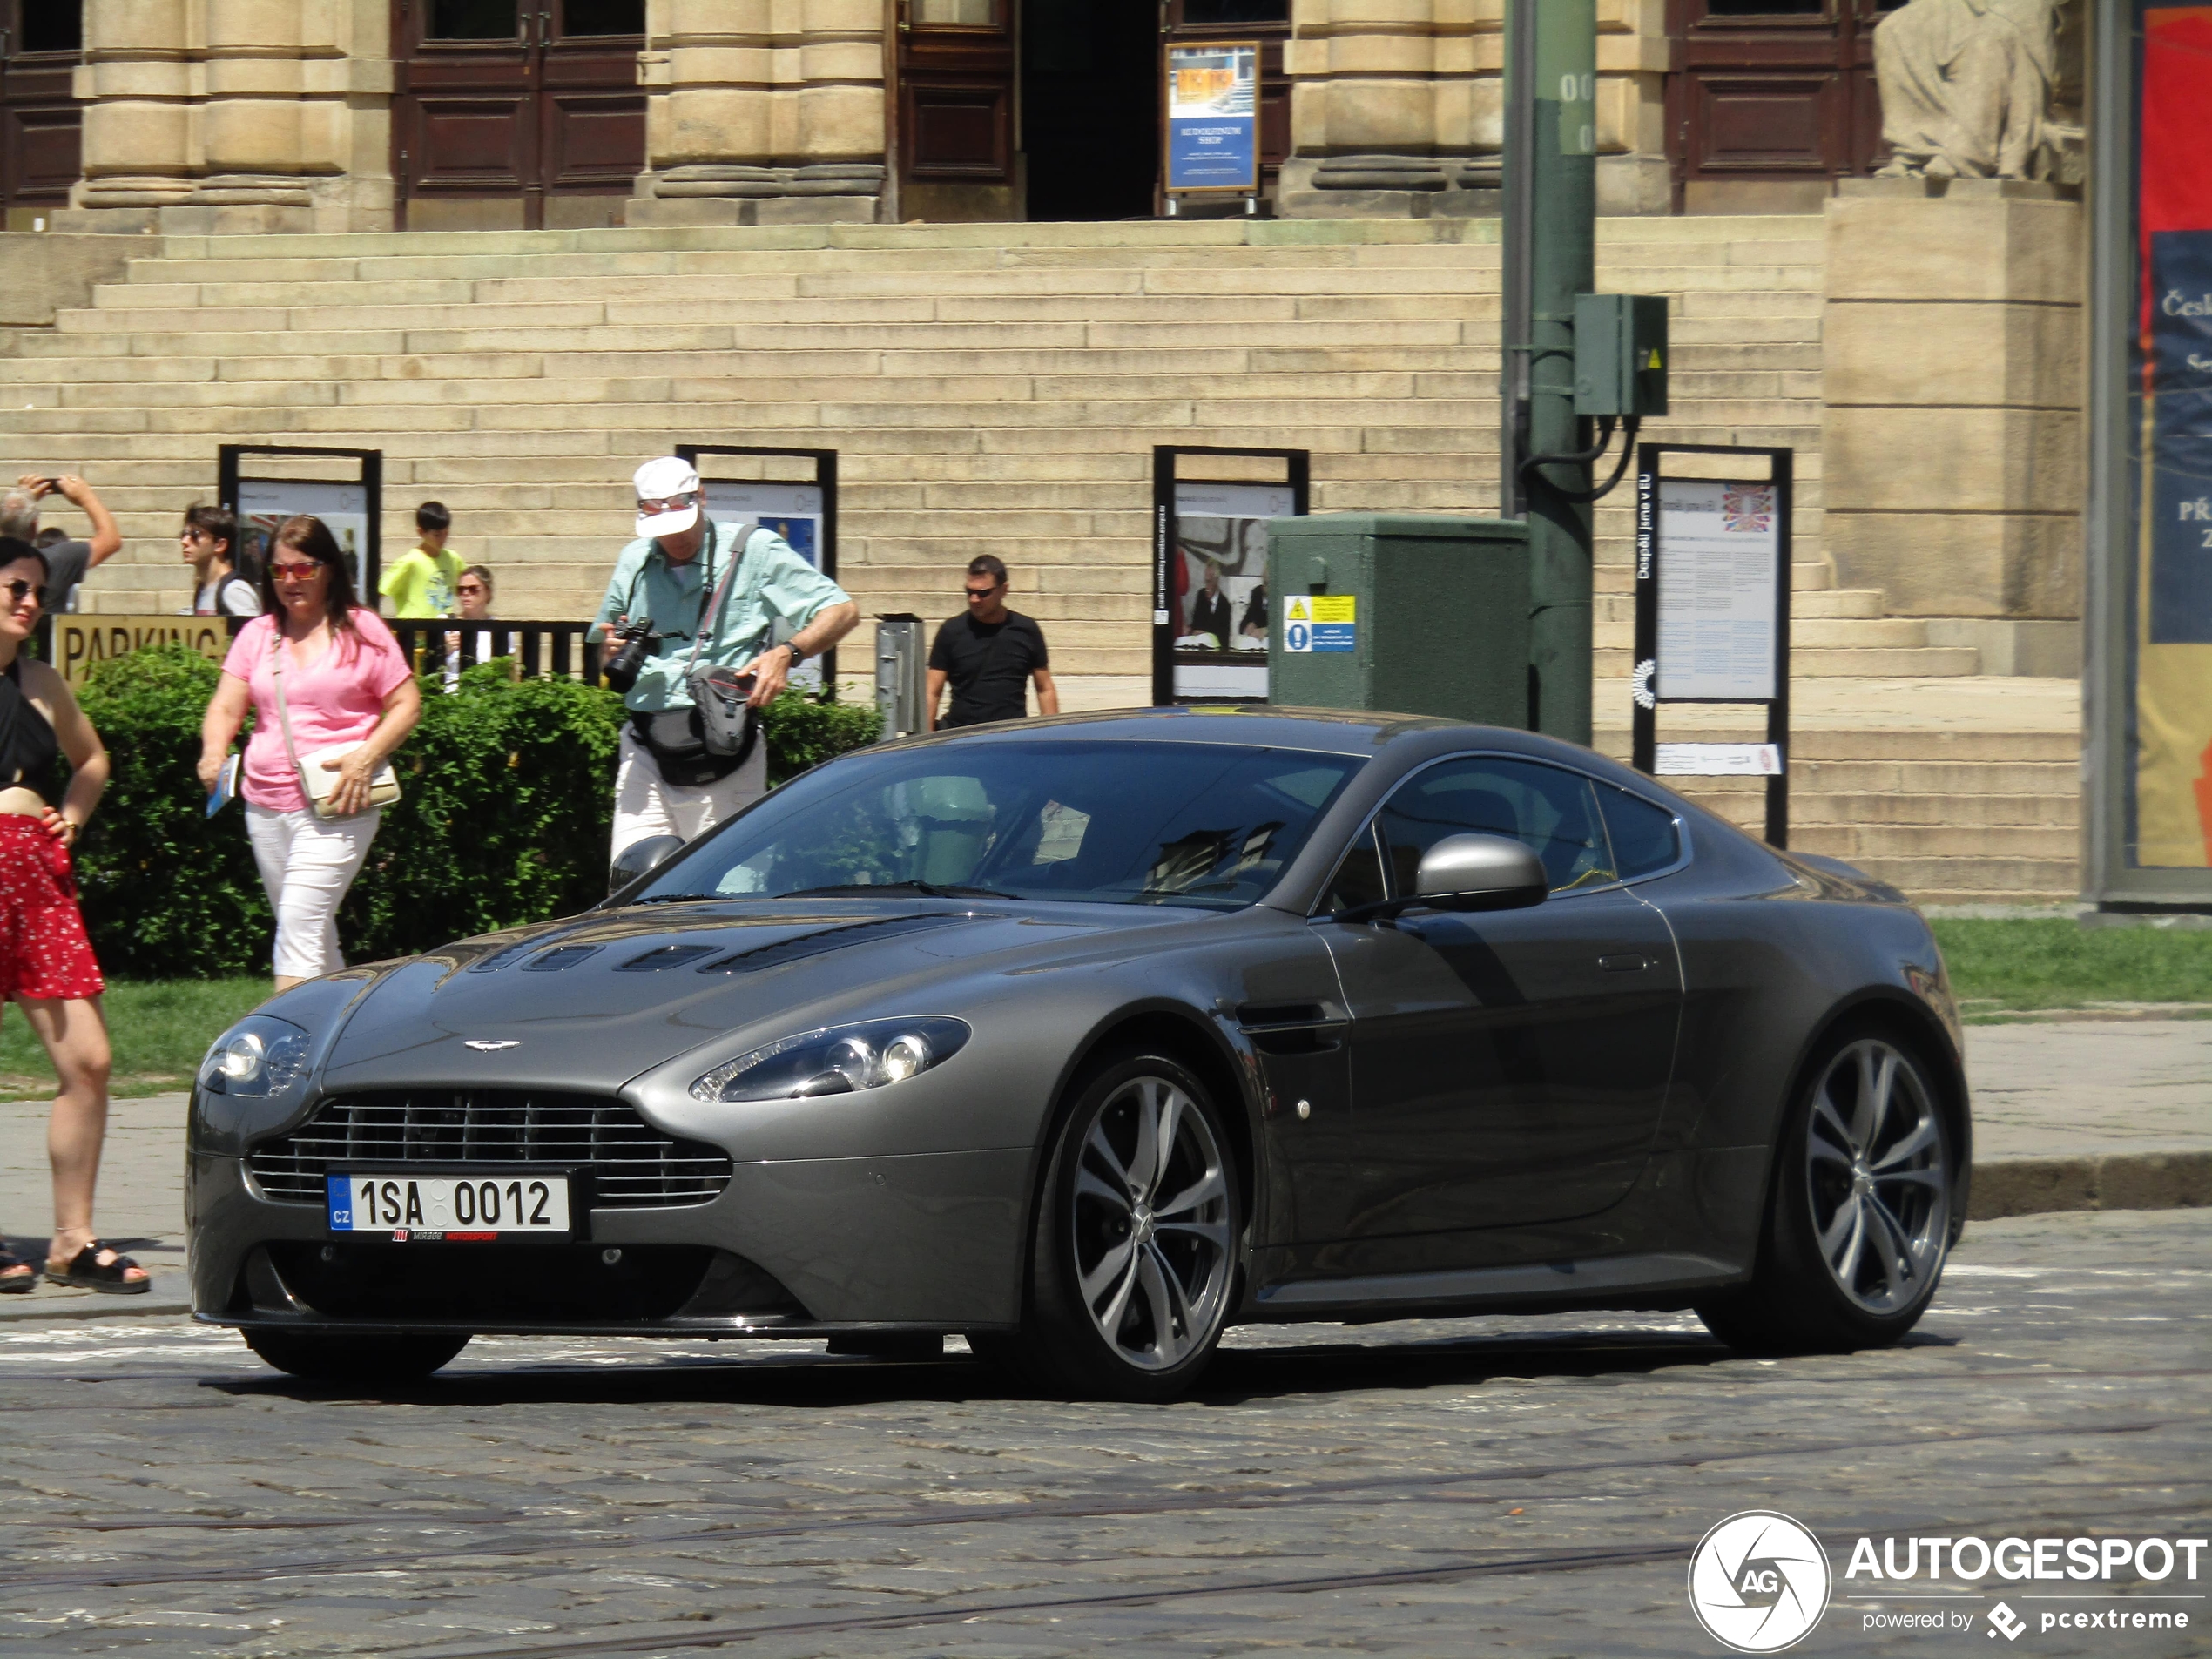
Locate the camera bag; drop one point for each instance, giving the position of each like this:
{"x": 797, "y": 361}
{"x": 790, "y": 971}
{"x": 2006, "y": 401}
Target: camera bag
{"x": 706, "y": 742}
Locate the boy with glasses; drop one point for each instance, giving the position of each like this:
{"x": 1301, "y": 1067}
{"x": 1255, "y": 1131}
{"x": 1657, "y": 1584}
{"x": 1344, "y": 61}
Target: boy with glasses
{"x": 205, "y": 543}
{"x": 990, "y": 657}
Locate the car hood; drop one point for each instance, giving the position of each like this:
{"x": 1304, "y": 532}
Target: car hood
{"x": 592, "y": 1001}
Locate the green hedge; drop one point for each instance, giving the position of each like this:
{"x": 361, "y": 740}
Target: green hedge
{"x": 506, "y": 819}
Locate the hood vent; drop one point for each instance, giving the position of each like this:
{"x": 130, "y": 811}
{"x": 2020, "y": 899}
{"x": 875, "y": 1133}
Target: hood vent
{"x": 667, "y": 956}
{"x": 559, "y": 957}
{"x": 859, "y": 933}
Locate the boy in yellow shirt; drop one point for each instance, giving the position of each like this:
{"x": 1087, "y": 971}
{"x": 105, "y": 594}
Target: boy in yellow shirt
{"x": 421, "y": 583}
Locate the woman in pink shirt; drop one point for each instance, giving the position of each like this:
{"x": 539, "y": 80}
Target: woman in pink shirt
{"x": 345, "y": 680}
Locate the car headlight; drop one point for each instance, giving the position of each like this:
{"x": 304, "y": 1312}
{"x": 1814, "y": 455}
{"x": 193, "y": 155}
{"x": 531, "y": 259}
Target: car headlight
{"x": 837, "y": 1060}
{"x": 259, "y": 1055}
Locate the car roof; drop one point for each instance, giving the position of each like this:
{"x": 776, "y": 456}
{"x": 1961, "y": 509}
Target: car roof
{"x": 1348, "y": 732}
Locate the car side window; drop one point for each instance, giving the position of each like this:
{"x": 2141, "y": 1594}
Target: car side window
{"x": 1551, "y": 812}
{"x": 1358, "y": 880}
{"x": 1645, "y": 837}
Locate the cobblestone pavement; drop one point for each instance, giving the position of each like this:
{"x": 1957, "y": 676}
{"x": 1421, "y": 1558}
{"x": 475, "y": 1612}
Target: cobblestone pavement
{"x": 1430, "y": 1488}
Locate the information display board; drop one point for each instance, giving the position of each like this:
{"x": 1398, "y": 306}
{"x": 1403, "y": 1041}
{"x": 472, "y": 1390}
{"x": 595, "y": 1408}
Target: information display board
{"x": 1210, "y": 617}
{"x": 750, "y": 482}
{"x": 2148, "y": 631}
{"x": 1211, "y": 136}
{"x": 343, "y": 488}
{"x": 1712, "y": 621}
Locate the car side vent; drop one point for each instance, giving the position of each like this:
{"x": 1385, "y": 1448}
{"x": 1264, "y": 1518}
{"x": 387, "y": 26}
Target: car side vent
{"x": 667, "y": 956}
{"x": 558, "y": 958}
{"x": 857, "y": 932}
{"x": 1256, "y": 1016}
{"x": 1290, "y": 1027}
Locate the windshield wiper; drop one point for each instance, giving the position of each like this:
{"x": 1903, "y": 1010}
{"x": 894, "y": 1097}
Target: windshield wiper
{"x": 868, "y": 889}
{"x": 684, "y": 897}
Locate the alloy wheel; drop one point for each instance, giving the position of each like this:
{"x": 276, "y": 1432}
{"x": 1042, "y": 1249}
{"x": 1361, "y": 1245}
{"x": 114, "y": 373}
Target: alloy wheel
{"x": 1876, "y": 1171}
{"x": 1151, "y": 1224}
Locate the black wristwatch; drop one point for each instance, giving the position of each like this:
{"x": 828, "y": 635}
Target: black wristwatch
{"x": 797, "y": 656}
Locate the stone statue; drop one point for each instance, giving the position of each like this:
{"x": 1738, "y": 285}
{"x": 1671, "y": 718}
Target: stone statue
{"x": 1966, "y": 88}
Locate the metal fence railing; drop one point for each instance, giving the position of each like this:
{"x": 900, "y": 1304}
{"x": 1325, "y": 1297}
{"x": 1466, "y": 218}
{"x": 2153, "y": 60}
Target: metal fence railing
{"x": 557, "y": 648}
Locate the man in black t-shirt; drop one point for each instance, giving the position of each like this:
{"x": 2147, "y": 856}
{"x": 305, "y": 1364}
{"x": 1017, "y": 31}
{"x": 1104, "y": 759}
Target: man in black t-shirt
{"x": 990, "y": 656}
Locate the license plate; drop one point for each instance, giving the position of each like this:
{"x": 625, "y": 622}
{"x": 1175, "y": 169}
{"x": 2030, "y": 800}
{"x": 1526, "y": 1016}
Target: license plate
{"x": 451, "y": 1208}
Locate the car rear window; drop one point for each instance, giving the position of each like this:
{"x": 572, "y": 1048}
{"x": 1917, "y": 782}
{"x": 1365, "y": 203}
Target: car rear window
{"x": 1645, "y": 837}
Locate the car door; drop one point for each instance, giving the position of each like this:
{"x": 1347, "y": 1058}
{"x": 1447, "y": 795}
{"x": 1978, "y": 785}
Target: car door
{"x": 1507, "y": 1067}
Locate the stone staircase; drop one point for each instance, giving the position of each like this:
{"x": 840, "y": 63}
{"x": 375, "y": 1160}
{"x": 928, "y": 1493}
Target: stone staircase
{"x": 989, "y": 388}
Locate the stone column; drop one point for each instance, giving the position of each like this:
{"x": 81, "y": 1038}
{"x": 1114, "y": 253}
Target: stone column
{"x": 1952, "y": 441}
{"x": 1398, "y": 108}
{"x": 137, "y": 86}
{"x": 235, "y": 116}
{"x": 762, "y": 112}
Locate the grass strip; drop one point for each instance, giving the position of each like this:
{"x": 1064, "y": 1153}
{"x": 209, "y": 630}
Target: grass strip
{"x": 158, "y": 1028}
{"x": 1998, "y": 965}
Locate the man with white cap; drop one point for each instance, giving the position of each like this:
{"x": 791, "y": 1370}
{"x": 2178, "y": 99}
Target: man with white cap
{"x": 711, "y": 597}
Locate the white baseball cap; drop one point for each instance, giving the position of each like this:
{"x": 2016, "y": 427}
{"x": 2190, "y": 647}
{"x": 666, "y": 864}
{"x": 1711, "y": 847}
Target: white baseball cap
{"x": 659, "y": 479}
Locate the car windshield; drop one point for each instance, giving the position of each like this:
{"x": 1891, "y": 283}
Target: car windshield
{"x": 1117, "y": 822}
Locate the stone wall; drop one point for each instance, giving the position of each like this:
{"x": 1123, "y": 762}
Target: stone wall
{"x": 1953, "y": 431}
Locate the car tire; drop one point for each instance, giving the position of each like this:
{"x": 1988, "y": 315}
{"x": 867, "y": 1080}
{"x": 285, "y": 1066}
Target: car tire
{"x": 371, "y": 1360}
{"x": 1859, "y": 1214}
{"x": 1133, "y": 1270}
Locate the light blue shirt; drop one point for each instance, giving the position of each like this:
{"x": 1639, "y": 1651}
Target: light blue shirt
{"x": 771, "y": 583}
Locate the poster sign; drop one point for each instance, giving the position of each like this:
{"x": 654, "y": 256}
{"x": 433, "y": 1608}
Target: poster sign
{"x": 1712, "y": 621}
{"x": 2149, "y": 633}
{"x": 1211, "y": 606}
{"x": 81, "y": 643}
{"x": 803, "y": 512}
{"x": 351, "y": 505}
{"x": 1716, "y": 611}
{"x": 1212, "y": 106}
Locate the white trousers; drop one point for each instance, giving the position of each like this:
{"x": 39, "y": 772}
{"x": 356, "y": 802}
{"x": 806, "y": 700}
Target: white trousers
{"x": 307, "y": 864}
{"x": 645, "y": 804}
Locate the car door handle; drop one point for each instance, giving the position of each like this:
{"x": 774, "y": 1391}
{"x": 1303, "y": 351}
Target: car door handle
{"x": 1626, "y": 963}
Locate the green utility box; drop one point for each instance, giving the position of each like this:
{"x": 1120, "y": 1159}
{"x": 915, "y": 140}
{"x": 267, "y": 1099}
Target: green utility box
{"x": 1621, "y": 354}
{"x": 1412, "y": 613}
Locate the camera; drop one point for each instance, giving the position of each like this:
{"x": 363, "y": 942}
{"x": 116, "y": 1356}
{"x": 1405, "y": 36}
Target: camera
{"x": 637, "y": 640}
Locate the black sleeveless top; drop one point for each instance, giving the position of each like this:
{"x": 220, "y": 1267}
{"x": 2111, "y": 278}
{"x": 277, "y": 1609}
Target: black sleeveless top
{"x": 30, "y": 754}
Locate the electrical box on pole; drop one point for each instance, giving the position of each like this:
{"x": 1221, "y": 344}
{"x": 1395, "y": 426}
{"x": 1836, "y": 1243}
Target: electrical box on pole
{"x": 1416, "y": 613}
{"x": 1621, "y": 354}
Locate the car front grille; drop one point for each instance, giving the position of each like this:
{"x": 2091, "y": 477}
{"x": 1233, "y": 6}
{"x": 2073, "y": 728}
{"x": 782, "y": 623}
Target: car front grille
{"x": 631, "y": 1165}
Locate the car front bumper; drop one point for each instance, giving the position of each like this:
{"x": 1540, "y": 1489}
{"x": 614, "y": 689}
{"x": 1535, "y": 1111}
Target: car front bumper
{"x": 790, "y": 1248}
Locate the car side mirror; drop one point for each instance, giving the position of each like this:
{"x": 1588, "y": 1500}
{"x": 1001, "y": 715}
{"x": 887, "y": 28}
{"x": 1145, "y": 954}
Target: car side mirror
{"x": 640, "y": 858}
{"x": 1480, "y": 873}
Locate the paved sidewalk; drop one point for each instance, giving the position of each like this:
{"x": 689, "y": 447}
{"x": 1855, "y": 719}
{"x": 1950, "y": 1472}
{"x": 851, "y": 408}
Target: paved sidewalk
{"x": 2073, "y": 1115}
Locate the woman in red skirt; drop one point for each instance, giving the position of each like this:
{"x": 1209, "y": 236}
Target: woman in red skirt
{"x": 46, "y": 966}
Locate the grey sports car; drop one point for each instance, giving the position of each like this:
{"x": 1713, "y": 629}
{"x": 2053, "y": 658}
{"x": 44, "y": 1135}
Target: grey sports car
{"x": 1088, "y": 1037}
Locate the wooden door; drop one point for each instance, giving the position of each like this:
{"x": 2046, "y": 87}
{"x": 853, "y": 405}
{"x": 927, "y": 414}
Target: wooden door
{"x": 40, "y": 42}
{"x": 1771, "y": 100}
{"x": 510, "y": 115}
{"x": 956, "y": 110}
{"x": 1186, "y": 22}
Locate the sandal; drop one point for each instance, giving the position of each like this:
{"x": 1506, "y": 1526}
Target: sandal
{"x": 89, "y": 1272}
{"x": 12, "y": 1282}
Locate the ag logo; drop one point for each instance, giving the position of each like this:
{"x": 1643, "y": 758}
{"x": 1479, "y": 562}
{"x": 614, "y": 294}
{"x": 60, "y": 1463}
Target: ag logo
{"x": 1759, "y": 1582}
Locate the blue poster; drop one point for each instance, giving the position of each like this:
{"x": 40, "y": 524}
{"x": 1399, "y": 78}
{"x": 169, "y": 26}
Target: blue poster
{"x": 1213, "y": 118}
{"x": 2181, "y": 438}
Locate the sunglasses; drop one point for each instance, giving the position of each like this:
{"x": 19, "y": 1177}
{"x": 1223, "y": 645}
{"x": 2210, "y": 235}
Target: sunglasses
{"x": 195, "y": 536}
{"x": 470, "y": 587}
{"x": 982, "y": 593}
{"x": 294, "y": 572}
{"x": 19, "y": 590}
{"x": 668, "y": 504}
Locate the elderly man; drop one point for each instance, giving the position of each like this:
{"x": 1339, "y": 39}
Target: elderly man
{"x": 67, "y": 562}
{"x": 707, "y": 596}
